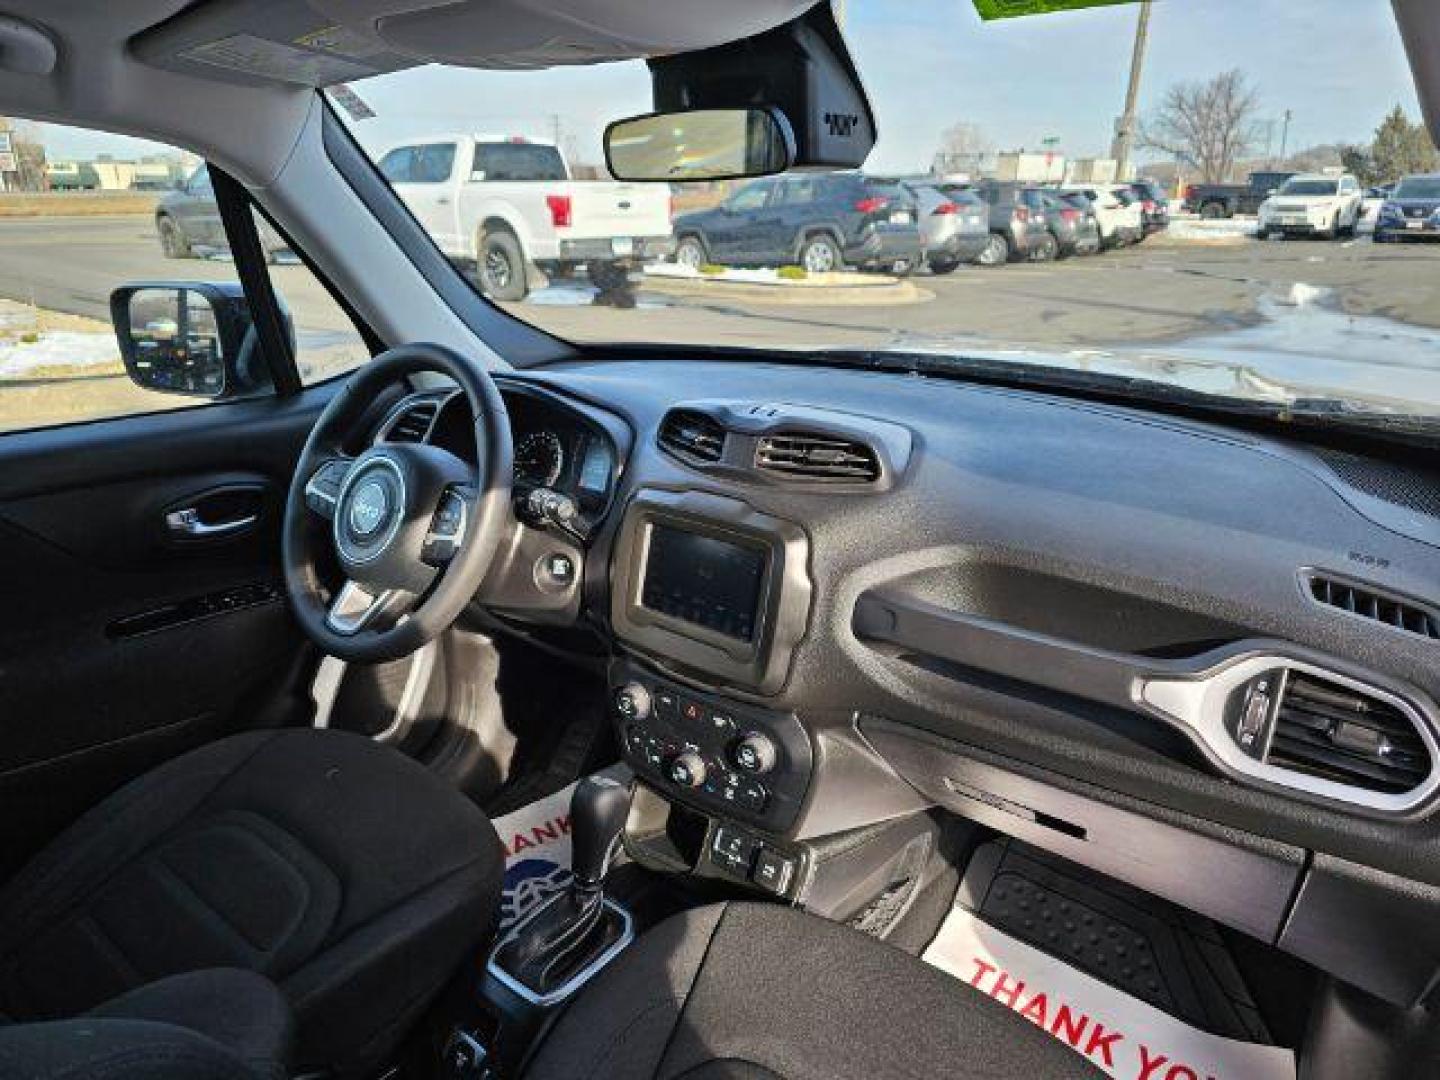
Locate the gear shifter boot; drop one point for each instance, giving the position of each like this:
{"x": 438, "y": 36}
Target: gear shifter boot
{"x": 565, "y": 940}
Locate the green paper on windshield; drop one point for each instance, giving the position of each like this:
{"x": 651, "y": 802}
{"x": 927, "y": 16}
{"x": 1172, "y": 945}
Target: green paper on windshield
{"x": 1010, "y": 9}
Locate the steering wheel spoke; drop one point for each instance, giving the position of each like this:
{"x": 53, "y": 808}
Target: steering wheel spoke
{"x": 356, "y": 607}
{"x": 322, "y": 490}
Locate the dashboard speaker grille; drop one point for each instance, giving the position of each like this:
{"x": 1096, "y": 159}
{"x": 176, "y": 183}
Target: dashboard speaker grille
{"x": 1332, "y": 731}
{"x": 692, "y": 436}
{"x": 412, "y": 425}
{"x": 817, "y": 457}
{"x": 1370, "y": 603}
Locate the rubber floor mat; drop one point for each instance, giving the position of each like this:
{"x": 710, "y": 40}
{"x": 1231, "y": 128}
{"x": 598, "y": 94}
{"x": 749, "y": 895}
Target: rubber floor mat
{"x": 1144, "y": 989}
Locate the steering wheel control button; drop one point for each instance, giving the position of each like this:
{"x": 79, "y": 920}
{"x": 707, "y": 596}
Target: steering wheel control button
{"x": 733, "y": 850}
{"x": 632, "y": 702}
{"x": 773, "y": 871}
{"x": 686, "y": 770}
{"x": 754, "y": 753}
{"x": 323, "y": 490}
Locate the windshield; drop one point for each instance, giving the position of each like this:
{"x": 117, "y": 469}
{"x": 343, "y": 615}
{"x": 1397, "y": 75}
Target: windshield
{"x": 1309, "y": 187}
{"x": 1419, "y": 187}
{"x": 506, "y": 171}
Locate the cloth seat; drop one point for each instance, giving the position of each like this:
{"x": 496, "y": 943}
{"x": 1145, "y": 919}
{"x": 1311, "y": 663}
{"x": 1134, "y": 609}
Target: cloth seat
{"x": 759, "y": 992}
{"x": 348, "y": 874}
{"x": 204, "y": 1025}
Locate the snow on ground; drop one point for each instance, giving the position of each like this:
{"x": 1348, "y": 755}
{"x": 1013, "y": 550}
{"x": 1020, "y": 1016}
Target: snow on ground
{"x": 32, "y": 340}
{"x": 1226, "y": 229}
{"x": 24, "y": 353}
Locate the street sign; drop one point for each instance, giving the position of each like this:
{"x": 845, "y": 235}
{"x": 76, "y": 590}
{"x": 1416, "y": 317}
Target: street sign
{"x": 1010, "y": 9}
{"x": 8, "y": 162}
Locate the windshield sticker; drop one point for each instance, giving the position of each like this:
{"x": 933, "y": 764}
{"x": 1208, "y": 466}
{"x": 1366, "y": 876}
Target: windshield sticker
{"x": 1012, "y": 9}
{"x": 1122, "y": 1035}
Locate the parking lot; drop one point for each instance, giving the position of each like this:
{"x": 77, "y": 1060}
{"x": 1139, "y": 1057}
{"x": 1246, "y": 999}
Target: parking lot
{"x": 1183, "y": 299}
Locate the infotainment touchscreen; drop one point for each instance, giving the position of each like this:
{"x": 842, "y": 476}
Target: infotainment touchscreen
{"x": 701, "y": 580}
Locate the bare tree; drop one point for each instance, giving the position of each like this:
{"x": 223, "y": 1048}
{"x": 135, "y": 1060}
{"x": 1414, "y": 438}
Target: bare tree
{"x": 962, "y": 145}
{"x": 1209, "y": 125}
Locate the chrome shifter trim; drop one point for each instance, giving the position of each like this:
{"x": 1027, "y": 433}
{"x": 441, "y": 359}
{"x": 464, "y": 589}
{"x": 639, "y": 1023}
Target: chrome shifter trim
{"x": 576, "y": 981}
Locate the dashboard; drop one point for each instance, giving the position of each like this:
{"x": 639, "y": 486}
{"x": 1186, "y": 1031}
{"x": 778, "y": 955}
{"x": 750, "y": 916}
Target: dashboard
{"x": 1200, "y": 659}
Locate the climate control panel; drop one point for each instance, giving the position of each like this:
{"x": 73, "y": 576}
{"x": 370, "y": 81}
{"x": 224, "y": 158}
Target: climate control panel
{"x": 721, "y": 757}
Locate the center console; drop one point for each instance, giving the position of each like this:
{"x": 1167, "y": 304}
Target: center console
{"x": 711, "y": 598}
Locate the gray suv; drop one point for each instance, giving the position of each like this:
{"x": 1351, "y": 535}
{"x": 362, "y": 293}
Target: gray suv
{"x": 187, "y": 220}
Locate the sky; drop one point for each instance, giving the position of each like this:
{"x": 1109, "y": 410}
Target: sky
{"x": 1338, "y": 65}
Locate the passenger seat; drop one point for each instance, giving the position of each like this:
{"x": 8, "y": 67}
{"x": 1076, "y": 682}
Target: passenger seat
{"x": 759, "y": 992}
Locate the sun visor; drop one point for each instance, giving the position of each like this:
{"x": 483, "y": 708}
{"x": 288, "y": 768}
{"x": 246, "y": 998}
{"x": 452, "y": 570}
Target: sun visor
{"x": 802, "y": 68}
{"x": 325, "y": 42}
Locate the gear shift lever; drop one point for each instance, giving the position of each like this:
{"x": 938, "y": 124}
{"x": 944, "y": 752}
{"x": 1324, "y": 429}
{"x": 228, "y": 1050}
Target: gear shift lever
{"x": 570, "y": 936}
{"x": 598, "y": 809}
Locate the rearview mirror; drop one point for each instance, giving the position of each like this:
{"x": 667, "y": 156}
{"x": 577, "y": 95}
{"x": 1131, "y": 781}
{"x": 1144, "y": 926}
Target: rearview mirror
{"x": 195, "y": 339}
{"x": 700, "y": 144}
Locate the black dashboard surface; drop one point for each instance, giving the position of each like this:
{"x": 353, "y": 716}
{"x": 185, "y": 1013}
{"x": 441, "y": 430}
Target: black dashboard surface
{"x": 1109, "y": 527}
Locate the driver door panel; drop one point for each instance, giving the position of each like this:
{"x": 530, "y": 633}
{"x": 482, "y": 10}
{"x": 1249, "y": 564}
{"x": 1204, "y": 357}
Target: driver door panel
{"x": 127, "y": 641}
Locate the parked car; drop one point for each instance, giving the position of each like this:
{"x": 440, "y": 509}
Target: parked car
{"x": 822, "y": 222}
{"x": 1412, "y": 211}
{"x": 187, "y": 221}
{"x": 1117, "y": 212}
{"x": 955, "y": 228}
{"x": 1070, "y": 217}
{"x": 1154, "y": 206}
{"x": 1227, "y": 200}
{"x": 501, "y": 204}
{"x": 1014, "y": 234}
{"x": 1312, "y": 204}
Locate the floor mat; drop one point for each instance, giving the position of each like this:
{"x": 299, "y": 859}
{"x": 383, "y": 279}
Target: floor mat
{"x": 1126, "y": 1036}
{"x": 537, "y": 850}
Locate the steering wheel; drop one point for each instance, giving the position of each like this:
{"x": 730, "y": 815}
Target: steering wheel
{"x": 413, "y": 527}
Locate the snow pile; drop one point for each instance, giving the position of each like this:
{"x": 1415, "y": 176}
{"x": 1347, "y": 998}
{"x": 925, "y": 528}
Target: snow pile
{"x": 1227, "y": 230}
{"x": 23, "y": 353}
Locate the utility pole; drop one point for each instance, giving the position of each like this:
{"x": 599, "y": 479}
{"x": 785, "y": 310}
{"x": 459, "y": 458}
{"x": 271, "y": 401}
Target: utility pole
{"x": 1285, "y": 134}
{"x": 555, "y": 128}
{"x": 1125, "y": 135}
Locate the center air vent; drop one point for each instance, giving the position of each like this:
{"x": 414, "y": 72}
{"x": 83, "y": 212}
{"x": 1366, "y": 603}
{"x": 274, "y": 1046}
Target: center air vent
{"x": 807, "y": 456}
{"x": 1369, "y": 603}
{"x": 413, "y": 424}
{"x": 1344, "y": 735}
{"x": 692, "y": 436}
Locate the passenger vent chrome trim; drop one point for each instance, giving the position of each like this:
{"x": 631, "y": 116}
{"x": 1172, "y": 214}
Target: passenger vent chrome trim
{"x": 1207, "y": 705}
{"x": 1368, "y": 602}
{"x": 692, "y": 436}
{"x": 810, "y": 456}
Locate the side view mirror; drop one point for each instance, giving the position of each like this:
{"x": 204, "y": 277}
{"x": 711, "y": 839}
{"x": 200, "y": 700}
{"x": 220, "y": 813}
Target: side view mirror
{"x": 700, "y": 144}
{"x": 194, "y": 339}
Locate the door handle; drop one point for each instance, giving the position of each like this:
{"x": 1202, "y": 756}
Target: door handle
{"x": 186, "y": 525}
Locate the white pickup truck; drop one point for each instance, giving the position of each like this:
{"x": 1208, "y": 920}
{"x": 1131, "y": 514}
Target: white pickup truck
{"x": 504, "y": 205}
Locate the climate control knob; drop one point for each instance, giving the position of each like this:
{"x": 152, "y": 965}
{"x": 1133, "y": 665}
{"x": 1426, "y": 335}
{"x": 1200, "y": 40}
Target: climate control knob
{"x": 686, "y": 769}
{"x": 754, "y": 753}
{"x": 632, "y": 702}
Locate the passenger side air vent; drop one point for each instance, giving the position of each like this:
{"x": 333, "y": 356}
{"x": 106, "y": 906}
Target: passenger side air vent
{"x": 1371, "y": 604}
{"x": 412, "y": 425}
{"x": 807, "y": 456}
{"x": 1332, "y": 731}
{"x": 692, "y": 436}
